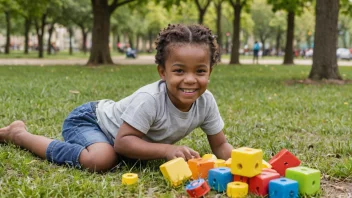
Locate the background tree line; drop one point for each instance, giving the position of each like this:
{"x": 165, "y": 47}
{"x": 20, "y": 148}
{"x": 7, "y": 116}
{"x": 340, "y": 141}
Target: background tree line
{"x": 284, "y": 24}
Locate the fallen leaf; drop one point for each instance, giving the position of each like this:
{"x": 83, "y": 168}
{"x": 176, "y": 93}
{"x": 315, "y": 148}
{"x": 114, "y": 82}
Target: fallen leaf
{"x": 74, "y": 91}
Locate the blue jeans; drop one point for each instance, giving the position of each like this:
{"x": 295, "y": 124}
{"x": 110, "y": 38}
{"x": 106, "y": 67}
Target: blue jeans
{"x": 80, "y": 130}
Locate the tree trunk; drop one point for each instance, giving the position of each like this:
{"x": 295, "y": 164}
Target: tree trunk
{"x": 344, "y": 40}
{"x": 278, "y": 41}
{"x": 40, "y": 35}
{"x": 201, "y": 16}
{"x": 84, "y": 39}
{"x": 201, "y": 11}
{"x": 70, "y": 32}
{"x": 50, "y": 31}
{"x": 100, "y": 52}
{"x": 27, "y": 26}
{"x": 235, "y": 56}
{"x": 325, "y": 41}
{"x": 263, "y": 46}
{"x": 218, "y": 26}
{"x": 84, "y": 42}
{"x": 137, "y": 42}
{"x": 8, "y": 32}
{"x": 150, "y": 36}
{"x": 288, "y": 58}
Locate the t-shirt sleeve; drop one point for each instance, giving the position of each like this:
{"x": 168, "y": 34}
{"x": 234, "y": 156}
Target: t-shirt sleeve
{"x": 213, "y": 122}
{"x": 141, "y": 112}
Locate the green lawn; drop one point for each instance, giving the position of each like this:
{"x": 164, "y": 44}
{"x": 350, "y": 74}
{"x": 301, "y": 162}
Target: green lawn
{"x": 259, "y": 110}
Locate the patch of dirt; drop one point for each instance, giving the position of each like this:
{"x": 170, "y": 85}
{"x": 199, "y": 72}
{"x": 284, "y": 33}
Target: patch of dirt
{"x": 319, "y": 82}
{"x": 336, "y": 189}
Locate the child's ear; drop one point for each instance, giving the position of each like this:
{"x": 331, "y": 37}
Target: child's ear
{"x": 161, "y": 71}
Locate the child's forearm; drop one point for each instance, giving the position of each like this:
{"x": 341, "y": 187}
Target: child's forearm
{"x": 136, "y": 148}
{"x": 223, "y": 151}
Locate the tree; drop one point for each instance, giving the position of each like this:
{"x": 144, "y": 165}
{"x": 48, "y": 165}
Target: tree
{"x": 9, "y": 8}
{"x": 292, "y": 7}
{"x": 304, "y": 29}
{"x": 102, "y": 10}
{"x": 237, "y": 6}
{"x": 202, "y": 6}
{"x": 218, "y": 6}
{"x": 79, "y": 13}
{"x": 325, "y": 39}
{"x": 262, "y": 15}
{"x": 278, "y": 23}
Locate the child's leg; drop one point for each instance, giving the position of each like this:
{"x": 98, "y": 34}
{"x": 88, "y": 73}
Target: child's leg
{"x": 17, "y": 134}
{"x": 85, "y": 143}
{"x": 96, "y": 157}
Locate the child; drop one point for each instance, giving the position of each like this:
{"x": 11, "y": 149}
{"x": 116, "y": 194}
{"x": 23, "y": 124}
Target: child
{"x": 146, "y": 124}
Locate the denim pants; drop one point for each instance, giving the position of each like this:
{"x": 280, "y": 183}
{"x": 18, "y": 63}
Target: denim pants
{"x": 80, "y": 130}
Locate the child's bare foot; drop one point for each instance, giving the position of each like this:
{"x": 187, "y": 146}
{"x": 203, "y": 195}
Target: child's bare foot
{"x": 10, "y": 132}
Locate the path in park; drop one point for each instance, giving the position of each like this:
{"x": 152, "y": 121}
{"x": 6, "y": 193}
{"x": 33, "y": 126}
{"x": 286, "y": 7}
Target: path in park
{"x": 141, "y": 60}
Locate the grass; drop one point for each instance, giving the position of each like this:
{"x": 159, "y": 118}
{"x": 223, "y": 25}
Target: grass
{"x": 259, "y": 109}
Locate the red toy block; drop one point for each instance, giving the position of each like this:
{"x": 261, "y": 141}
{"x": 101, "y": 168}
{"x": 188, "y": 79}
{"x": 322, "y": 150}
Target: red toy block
{"x": 259, "y": 184}
{"x": 197, "y": 188}
{"x": 240, "y": 178}
{"x": 283, "y": 160}
{"x": 269, "y": 170}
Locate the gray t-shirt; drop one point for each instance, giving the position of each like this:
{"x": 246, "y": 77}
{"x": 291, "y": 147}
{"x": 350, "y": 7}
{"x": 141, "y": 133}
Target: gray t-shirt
{"x": 150, "y": 111}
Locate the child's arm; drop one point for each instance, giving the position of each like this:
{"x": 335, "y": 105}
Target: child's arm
{"x": 219, "y": 145}
{"x": 129, "y": 143}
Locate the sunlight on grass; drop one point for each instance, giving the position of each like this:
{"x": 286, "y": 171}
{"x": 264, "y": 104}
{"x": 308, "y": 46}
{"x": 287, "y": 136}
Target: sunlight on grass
{"x": 259, "y": 109}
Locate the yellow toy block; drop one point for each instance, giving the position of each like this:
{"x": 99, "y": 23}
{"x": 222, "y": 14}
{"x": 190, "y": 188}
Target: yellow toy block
{"x": 228, "y": 163}
{"x": 219, "y": 163}
{"x": 237, "y": 189}
{"x": 200, "y": 167}
{"x": 246, "y": 161}
{"x": 265, "y": 164}
{"x": 176, "y": 171}
{"x": 209, "y": 157}
{"x": 129, "y": 178}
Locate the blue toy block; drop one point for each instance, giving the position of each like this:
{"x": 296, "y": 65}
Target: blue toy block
{"x": 218, "y": 178}
{"x": 283, "y": 188}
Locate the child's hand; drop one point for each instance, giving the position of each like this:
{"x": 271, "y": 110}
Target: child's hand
{"x": 186, "y": 153}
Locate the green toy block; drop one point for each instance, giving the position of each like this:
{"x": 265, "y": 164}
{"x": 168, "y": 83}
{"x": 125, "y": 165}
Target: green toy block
{"x": 308, "y": 179}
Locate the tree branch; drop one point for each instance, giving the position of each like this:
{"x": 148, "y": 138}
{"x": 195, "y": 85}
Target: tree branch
{"x": 116, "y": 4}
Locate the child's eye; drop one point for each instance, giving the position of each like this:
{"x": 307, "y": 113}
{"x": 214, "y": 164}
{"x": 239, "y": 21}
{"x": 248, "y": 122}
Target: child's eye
{"x": 179, "y": 71}
{"x": 200, "y": 71}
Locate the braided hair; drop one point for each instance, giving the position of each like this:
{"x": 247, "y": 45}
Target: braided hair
{"x": 185, "y": 34}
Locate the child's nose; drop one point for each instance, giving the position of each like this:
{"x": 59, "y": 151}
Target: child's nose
{"x": 190, "y": 78}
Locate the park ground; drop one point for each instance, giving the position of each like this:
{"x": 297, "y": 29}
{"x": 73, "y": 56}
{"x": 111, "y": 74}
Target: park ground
{"x": 143, "y": 59}
{"x": 258, "y": 107}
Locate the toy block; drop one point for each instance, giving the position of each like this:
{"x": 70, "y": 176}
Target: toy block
{"x": 265, "y": 164}
{"x": 129, "y": 178}
{"x": 269, "y": 170}
{"x": 283, "y": 160}
{"x": 197, "y": 188}
{"x": 218, "y": 178}
{"x": 237, "y": 189}
{"x": 308, "y": 179}
{"x": 246, "y": 161}
{"x": 219, "y": 163}
{"x": 200, "y": 167}
{"x": 259, "y": 183}
{"x": 176, "y": 171}
{"x": 228, "y": 162}
{"x": 283, "y": 188}
{"x": 209, "y": 157}
{"x": 241, "y": 178}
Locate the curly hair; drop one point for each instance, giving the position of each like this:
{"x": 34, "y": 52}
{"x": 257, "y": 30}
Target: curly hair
{"x": 185, "y": 34}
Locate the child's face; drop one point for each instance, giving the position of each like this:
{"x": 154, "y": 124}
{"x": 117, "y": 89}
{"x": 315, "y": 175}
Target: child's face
{"x": 186, "y": 73}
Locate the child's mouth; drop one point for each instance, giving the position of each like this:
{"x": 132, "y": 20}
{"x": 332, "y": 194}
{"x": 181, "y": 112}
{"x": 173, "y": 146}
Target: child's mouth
{"x": 188, "y": 90}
